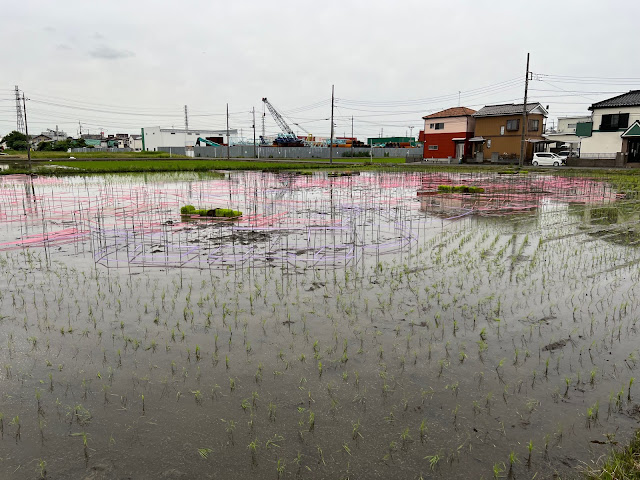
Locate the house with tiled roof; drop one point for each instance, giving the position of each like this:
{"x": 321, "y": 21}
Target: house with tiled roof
{"x": 498, "y": 132}
{"x": 446, "y": 133}
{"x": 613, "y": 132}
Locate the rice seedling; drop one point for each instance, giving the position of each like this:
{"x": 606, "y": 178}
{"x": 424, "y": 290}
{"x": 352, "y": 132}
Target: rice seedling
{"x": 41, "y": 469}
{"x": 204, "y": 452}
{"x": 434, "y": 460}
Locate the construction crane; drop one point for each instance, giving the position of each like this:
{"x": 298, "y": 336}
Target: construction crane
{"x": 309, "y": 134}
{"x": 207, "y": 142}
{"x": 288, "y": 138}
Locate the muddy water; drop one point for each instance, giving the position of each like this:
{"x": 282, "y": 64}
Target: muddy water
{"x": 354, "y": 327}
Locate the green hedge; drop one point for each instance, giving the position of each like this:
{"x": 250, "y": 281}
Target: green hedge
{"x": 210, "y": 212}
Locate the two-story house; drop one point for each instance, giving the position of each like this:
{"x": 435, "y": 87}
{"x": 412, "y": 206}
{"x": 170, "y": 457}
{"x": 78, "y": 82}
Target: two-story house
{"x": 447, "y": 133}
{"x": 614, "y": 130}
{"x": 498, "y": 131}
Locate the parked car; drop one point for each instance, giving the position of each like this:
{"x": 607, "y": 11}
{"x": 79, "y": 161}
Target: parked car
{"x": 566, "y": 153}
{"x": 544, "y": 158}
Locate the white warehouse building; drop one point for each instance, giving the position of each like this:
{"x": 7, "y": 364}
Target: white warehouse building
{"x": 155, "y": 137}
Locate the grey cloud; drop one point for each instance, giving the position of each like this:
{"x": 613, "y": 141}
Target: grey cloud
{"x": 62, "y": 46}
{"x": 108, "y": 53}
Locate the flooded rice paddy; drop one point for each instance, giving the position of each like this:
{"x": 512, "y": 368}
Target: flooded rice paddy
{"x": 360, "y": 326}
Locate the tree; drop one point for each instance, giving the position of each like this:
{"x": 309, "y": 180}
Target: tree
{"x": 16, "y": 140}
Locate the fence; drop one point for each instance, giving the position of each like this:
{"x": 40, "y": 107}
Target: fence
{"x": 247, "y": 151}
{"x": 598, "y": 156}
{"x": 101, "y": 149}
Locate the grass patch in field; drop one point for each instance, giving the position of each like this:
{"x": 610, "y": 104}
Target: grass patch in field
{"x": 36, "y": 155}
{"x": 620, "y": 465}
{"x": 166, "y": 165}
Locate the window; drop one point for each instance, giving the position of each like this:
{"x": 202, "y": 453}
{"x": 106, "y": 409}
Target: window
{"x": 431, "y": 126}
{"x": 433, "y": 147}
{"x": 571, "y": 125}
{"x": 439, "y": 126}
{"x": 489, "y": 143}
{"x": 173, "y": 133}
{"x": 513, "y": 125}
{"x": 501, "y": 129}
{"x": 534, "y": 125}
{"x": 613, "y": 122}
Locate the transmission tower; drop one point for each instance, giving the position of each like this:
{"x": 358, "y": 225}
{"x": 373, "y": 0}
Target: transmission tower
{"x": 186, "y": 119}
{"x": 19, "y": 115}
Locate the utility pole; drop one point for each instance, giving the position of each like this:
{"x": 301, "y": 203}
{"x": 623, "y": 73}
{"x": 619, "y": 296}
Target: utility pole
{"x": 352, "y": 137}
{"x": 331, "y": 141}
{"x": 26, "y": 129}
{"x": 186, "y": 119}
{"x": 228, "y": 139}
{"x": 524, "y": 116}
{"x": 19, "y": 117}
{"x": 254, "y": 132}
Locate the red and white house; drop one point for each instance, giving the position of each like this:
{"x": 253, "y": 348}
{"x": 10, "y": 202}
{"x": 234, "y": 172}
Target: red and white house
{"x": 447, "y": 133}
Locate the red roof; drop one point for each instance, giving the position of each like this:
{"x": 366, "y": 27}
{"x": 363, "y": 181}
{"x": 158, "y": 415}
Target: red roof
{"x": 452, "y": 112}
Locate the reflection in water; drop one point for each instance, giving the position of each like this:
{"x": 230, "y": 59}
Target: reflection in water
{"x": 289, "y": 220}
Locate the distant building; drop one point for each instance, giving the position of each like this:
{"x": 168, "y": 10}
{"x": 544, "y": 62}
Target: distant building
{"x": 155, "y": 137}
{"x": 92, "y": 142}
{"x": 135, "y": 142}
{"x": 55, "y": 135}
{"x": 447, "y": 133}
{"x": 38, "y": 139}
{"x": 565, "y": 137}
{"x": 498, "y": 131}
{"x": 614, "y": 128}
{"x": 567, "y": 125}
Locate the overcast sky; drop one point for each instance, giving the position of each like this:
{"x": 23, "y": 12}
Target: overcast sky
{"x": 117, "y": 66}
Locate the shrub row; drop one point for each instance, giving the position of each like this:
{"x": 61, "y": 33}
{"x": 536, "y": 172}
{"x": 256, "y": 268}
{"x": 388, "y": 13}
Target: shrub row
{"x": 210, "y": 212}
{"x": 459, "y": 189}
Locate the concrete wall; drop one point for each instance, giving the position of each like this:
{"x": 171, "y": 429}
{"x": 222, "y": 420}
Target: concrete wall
{"x": 619, "y": 161}
{"x": 246, "y": 151}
